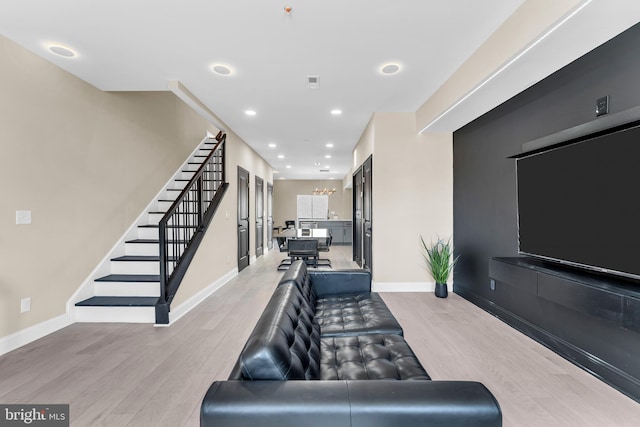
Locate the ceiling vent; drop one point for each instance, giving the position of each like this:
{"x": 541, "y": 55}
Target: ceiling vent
{"x": 325, "y": 170}
{"x": 314, "y": 82}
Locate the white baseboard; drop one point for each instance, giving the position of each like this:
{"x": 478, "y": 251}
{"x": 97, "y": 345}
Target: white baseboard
{"x": 404, "y": 287}
{"x": 32, "y": 333}
{"x": 177, "y": 312}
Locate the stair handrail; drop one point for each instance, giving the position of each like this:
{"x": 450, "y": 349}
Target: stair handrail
{"x": 188, "y": 218}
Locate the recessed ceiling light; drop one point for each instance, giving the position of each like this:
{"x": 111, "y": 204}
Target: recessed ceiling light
{"x": 250, "y": 112}
{"x": 328, "y": 156}
{"x": 327, "y": 167}
{"x": 220, "y": 69}
{"x": 288, "y": 166}
{"x": 329, "y": 145}
{"x": 390, "y": 68}
{"x": 336, "y": 112}
{"x": 62, "y": 51}
{"x": 316, "y": 164}
{"x": 275, "y": 172}
{"x": 272, "y": 145}
{"x": 281, "y": 156}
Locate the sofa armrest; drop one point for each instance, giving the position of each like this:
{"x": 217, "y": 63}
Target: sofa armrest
{"x": 350, "y": 403}
{"x": 275, "y": 404}
{"x": 336, "y": 282}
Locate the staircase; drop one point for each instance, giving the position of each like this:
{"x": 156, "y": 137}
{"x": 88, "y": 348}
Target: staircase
{"x": 145, "y": 271}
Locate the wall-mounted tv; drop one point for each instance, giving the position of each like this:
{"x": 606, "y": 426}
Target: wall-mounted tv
{"x": 579, "y": 203}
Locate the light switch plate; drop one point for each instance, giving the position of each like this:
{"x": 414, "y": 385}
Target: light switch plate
{"x": 23, "y": 217}
{"x": 25, "y": 305}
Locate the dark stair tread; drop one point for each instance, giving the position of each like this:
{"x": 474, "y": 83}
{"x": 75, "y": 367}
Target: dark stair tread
{"x": 168, "y": 226}
{"x": 141, "y": 258}
{"x": 118, "y": 302}
{"x": 156, "y": 241}
{"x": 143, "y": 241}
{"x": 130, "y": 278}
{"x": 144, "y": 258}
{"x": 182, "y": 213}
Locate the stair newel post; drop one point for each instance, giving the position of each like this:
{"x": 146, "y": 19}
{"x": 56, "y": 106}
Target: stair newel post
{"x": 162, "y": 308}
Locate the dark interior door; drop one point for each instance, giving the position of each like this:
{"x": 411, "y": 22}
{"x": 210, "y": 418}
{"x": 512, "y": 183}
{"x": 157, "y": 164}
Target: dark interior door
{"x": 269, "y": 216}
{"x": 367, "y": 210}
{"x": 259, "y": 216}
{"x": 357, "y": 217}
{"x": 243, "y": 218}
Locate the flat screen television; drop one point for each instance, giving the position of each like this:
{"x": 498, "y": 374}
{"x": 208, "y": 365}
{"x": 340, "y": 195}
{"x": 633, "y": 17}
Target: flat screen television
{"x": 579, "y": 203}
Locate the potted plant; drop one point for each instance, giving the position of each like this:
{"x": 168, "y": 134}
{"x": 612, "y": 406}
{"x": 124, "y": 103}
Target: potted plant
{"x": 440, "y": 261}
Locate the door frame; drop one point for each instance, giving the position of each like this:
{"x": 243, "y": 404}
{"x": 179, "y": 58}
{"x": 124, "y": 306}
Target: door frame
{"x": 269, "y": 216}
{"x": 259, "y": 195}
{"x": 244, "y": 259}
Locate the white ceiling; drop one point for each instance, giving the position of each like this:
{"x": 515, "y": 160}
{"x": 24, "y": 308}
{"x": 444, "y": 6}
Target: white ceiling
{"x": 141, "y": 45}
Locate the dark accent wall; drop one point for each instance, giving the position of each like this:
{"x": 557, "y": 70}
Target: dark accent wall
{"x": 484, "y": 189}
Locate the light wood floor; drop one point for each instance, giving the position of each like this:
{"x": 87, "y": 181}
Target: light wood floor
{"x": 137, "y": 375}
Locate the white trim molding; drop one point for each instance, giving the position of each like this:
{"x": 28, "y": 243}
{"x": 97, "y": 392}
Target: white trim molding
{"x": 176, "y": 313}
{"x": 33, "y": 333}
{"x": 405, "y": 287}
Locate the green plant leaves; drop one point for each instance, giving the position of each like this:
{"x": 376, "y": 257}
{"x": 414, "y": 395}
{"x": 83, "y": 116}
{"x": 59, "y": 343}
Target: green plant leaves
{"x": 438, "y": 258}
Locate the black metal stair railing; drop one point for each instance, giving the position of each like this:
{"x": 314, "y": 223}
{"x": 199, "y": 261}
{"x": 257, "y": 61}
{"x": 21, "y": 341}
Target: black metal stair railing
{"x": 182, "y": 228}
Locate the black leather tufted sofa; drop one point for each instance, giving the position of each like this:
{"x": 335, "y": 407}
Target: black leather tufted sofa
{"x": 328, "y": 352}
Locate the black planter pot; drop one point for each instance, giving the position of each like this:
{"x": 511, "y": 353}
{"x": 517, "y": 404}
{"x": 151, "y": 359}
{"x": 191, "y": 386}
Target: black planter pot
{"x": 441, "y": 290}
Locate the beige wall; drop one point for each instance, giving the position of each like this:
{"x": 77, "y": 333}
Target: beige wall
{"x": 530, "y": 20}
{"x": 412, "y": 194}
{"x": 285, "y": 200}
{"x": 364, "y": 147}
{"x": 86, "y": 163}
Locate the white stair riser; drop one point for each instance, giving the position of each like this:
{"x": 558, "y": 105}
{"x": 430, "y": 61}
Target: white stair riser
{"x": 127, "y": 289}
{"x": 154, "y": 218}
{"x": 116, "y": 314}
{"x": 147, "y": 233}
{"x": 192, "y": 167}
{"x": 143, "y": 249}
{"x": 152, "y": 233}
{"x": 135, "y": 267}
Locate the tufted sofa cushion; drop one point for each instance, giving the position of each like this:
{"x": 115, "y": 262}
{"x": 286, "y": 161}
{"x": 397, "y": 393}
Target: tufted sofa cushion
{"x": 358, "y": 314}
{"x": 369, "y": 357}
{"x": 343, "y": 314}
{"x": 285, "y": 344}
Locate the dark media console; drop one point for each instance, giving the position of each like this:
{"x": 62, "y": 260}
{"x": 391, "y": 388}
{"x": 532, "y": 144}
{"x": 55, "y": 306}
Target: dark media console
{"x": 590, "y": 319}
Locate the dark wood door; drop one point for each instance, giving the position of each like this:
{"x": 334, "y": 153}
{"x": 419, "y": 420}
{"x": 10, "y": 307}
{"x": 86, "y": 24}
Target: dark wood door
{"x": 367, "y": 213}
{"x": 269, "y": 216}
{"x": 357, "y": 217}
{"x": 243, "y": 218}
{"x": 259, "y": 216}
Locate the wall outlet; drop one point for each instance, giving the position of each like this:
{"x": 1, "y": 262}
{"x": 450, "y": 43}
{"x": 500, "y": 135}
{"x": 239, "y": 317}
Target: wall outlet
{"x": 228, "y": 260}
{"x": 23, "y": 217}
{"x": 492, "y": 285}
{"x": 602, "y": 105}
{"x": 227, "y": 215}
{"x": 25, "y": 305}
